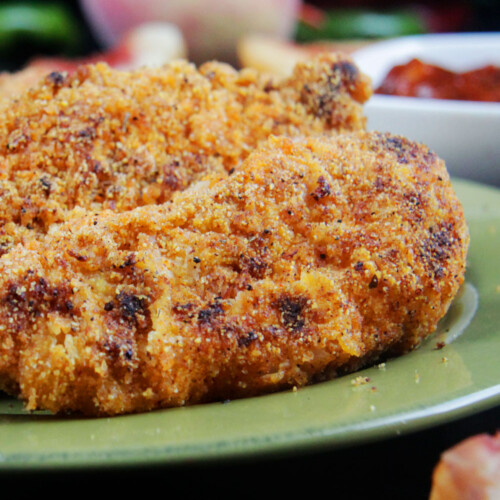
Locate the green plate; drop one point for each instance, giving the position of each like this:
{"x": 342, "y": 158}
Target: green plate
{"x": 429, "y": 386}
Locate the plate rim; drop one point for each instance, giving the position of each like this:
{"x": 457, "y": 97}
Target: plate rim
{"x": 263, "y": 446}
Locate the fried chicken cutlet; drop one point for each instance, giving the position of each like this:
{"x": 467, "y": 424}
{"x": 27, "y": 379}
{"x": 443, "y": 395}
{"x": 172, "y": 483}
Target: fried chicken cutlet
{"x": 108, "y": 139}
{"x": 313, "y": 259}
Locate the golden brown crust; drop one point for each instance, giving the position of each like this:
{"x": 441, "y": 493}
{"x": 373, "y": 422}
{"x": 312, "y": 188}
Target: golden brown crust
{"x": 313, "y": 258}
{"x": 14, "y": 84}
{"x": 108, "y": 139}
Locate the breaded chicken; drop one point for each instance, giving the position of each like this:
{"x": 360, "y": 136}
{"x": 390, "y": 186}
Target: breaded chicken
{"x": 108, "y": 139}
{"x": 316, "y": 257}
{"x": 14, "y": 84}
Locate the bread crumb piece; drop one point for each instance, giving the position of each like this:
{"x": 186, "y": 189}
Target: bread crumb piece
{"x": 360, "y": 381}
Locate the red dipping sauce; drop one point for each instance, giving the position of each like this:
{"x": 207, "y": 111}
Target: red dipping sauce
{"x": 418, "y": 79}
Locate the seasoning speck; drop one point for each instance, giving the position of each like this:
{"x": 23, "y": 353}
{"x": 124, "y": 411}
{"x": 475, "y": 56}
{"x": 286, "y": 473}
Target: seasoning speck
{"x": 360, "y": 381}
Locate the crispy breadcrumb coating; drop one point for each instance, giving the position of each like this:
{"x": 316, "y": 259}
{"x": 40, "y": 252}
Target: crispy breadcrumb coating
{"x": 108, "y": 139}
{"x": 314, "y": 258}
{"x": 14, "y": 84}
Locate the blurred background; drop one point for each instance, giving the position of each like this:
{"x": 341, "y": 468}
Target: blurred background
{"x": 216, "y": 29}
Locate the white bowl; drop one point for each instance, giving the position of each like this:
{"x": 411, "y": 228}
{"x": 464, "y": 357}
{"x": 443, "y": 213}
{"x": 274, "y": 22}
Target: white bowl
{"x": 465, "y": 134}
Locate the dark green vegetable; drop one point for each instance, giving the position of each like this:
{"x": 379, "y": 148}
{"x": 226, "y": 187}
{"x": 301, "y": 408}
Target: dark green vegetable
{"x": 44, "y": 27}
{"x": 341, "y": 24}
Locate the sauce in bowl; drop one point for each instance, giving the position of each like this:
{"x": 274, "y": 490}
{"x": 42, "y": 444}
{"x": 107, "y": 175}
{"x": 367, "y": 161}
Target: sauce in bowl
{"x": 419, "y": 79}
